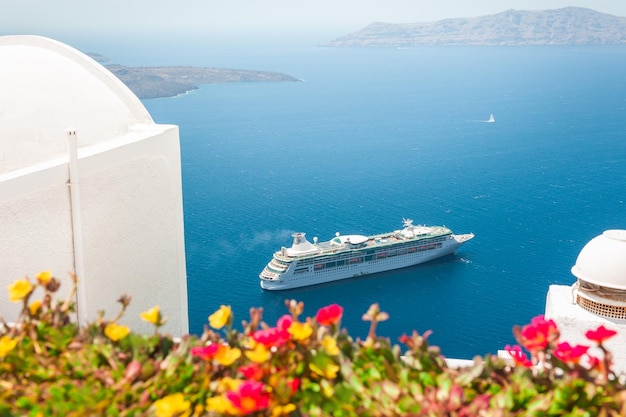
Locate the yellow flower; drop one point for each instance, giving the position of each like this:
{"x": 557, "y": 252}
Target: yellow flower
{"x": 228, "y": 384}
{"x": 221, "y": 405}
{"x": 327, "y": 389}
{"x": 330, "y": 345}
{"x": 300, "y": 331}
{"x": 44, "y": 277}
{"x": 34, "y": 307}
{"x": 259, "y": 354}
{"x": 116, "y": 331}
{"x": 329, "y": 371}
{"x": 220, "y": 318}
{"x": 7, "y": 344}
{"x": 283, "y": 410}
{"x": 227, "y": 355}
{"x": 19, "y": 290}
{"x": 174, "y": 405}
{"x": 152, "y": 316}
{"x": 198, "y": 410}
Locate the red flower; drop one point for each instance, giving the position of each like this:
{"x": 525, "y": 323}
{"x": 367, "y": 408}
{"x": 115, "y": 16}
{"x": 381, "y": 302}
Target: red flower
{"x": 251, "y": 396}
{"x": 415, "y": 340}
{"x": 205, "y": 352}
{"x": 329, "y": 315}
{"x": 293, "y": 384}
{"x": 601, "y": 334}
{"x": 570, "y": 354}
{"x": 252, "y": 371}
{"x": 597, "y": 364}
{"x": 518, "y": 356}
{"x": 538, "y": 334}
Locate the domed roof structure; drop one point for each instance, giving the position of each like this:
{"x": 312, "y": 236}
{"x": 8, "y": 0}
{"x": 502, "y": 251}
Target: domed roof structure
{"x": 598, "y": 297}
{"x": 603, "y": 260}
{"x": 48, "y": 87}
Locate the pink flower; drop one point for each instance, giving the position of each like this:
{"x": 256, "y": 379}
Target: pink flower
{"x": 329, "y": 315}
{"x": 570, "y": 354}
{"x": 518, "y": 356}
{"x": 251, "y": 396}
{"x": 600, "y": 335}
{"x": 538, "y": 334}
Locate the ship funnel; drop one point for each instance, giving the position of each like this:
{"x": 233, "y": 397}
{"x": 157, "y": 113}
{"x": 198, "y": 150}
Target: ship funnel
{"x": 298, "y": 238}
{"x": 301, "y": 245}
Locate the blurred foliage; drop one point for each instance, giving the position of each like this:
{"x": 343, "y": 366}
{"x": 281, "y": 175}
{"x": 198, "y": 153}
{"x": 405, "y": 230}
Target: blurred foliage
{"x": 301, "y": 366}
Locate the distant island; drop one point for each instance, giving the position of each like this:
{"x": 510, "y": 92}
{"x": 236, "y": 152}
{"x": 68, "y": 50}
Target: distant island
{"x": 158, "y": 82}
{"x": 566, "y": 26}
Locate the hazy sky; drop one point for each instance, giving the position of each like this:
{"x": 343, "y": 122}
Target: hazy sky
{"x": 198, "y": 16}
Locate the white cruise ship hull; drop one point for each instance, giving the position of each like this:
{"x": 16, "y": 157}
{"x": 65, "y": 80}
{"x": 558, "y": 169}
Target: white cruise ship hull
{"x": 345, "y": 263}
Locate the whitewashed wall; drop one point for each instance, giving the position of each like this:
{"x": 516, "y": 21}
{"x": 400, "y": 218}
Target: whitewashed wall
{"x": 131, "y": 212}
{"x": 132, "y": 226}
{"x": 573, "y": 322}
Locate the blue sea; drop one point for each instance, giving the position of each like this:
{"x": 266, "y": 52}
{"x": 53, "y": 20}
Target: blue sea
{"x": 372, "y": 135}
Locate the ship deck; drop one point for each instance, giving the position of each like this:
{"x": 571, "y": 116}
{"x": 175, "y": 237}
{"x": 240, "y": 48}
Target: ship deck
{"x": 380, "y": 240}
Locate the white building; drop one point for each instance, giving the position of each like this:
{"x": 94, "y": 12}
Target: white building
{"x": 119, "y": 225}
{"x": 597, "y": 298}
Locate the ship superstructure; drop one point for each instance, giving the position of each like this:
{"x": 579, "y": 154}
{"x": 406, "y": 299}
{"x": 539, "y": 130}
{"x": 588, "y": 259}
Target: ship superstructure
{"x": 347, "y": 256}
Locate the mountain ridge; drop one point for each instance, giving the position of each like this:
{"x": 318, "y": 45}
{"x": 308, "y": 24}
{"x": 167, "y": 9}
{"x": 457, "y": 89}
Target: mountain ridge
{"x": 565, "y": 26}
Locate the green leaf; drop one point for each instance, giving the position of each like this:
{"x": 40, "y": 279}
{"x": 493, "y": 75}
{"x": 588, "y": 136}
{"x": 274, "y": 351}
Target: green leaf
{"x": 407, "y": 404}
{"x": 24, "y": 403}
{"x": 426, "y": 379}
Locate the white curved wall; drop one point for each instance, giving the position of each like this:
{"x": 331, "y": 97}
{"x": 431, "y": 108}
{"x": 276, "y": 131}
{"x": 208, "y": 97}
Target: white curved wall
{"x": 130, "y": 187}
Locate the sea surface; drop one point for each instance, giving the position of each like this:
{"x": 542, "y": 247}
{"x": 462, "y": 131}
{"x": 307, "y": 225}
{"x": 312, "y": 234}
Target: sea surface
{"x": 374, "y": 135}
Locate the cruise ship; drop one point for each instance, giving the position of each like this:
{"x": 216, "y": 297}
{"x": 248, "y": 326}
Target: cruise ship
{"x": 306, "y": 263}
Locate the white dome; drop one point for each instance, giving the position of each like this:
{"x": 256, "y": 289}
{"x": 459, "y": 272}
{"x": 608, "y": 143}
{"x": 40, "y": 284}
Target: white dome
{"x": 603, "y": 260}
{"x": 48, "y": 87}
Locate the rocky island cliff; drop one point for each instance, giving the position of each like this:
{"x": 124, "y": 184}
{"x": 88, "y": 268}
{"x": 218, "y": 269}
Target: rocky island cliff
{"x": 154, "y": 82}
{"x": 566, "y": 26}
{"x": 161, "y": 81}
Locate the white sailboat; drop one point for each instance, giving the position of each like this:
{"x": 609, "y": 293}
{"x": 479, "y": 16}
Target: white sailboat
{"x": 491, "y": 119}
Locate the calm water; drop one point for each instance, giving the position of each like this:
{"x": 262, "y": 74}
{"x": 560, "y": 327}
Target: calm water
{"x": 374, "y": 135}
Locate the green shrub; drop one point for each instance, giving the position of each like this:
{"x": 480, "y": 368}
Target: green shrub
{"x": 298, "y": 367}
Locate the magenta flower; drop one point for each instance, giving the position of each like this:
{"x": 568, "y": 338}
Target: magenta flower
{"x": 570, "y": 354}
{"x": 253, "y": 371}
{"x": 284, "y": 322}
{"x": 329, "y": 315}
{"x": 538, "y": 334}
{"x": 205, "y": 352}
{"x": 271, "y": 337}
{"x": 251, "y": 396}
{"x": 600, "y": 335}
